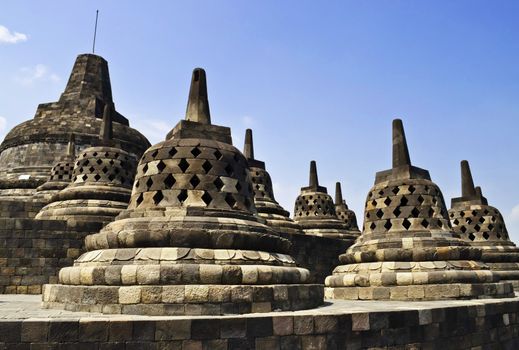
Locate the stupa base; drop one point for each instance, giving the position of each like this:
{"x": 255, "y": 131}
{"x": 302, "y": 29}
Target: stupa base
{"x": 183, "y": 299}
{"x": 447, "y": 291}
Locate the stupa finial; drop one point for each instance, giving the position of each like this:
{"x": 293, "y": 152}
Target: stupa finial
{"x": 314, "y": 181}
{"x": 338, "y": 193}
{"x": 106, "y": 133}
{"x": 248, "y": 148}
{"x": 198, "y": 104}
{"x": 467, "y": 184}
{"x": 400, "y": 150}
{"x": 479, "y": 193}
{"x": 71, "y": 148}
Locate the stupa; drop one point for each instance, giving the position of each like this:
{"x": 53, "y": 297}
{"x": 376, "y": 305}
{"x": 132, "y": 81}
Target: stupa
{"x": 189, "y": 242}
{"x": 101, "y": 182}
{"x": 31, "y": 149}
{"x": 343, "y": 212}
{"x": 266, "y": 205}
{"x": 484, "y": 227}
{"x": 61, "y": 173}
{"x": 408, "y": 250}
{"x": 315, "y": 211}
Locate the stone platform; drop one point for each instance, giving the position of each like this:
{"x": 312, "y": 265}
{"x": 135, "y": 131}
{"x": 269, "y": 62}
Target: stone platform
{"x": 339, "y": 324}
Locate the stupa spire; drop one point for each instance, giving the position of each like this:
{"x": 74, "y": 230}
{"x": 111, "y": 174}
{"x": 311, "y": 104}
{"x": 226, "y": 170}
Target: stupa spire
{"x": 400, "y": 150}
{"x": 198, "y": 103}
{"x": 248, "y": 148}
{"x": 71, "y": 147}
{"x": 467, "y": 184}
{"x": 479, "y": 193}
{"x": 106, "y": 132}
{"x": 314, "y": 181}
{"x": 338, "y": 193}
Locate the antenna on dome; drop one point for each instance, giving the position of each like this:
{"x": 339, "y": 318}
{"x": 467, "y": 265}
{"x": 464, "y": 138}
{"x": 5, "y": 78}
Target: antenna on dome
{"x": 95, "y": 33}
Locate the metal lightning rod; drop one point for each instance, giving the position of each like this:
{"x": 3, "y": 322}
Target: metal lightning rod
{"x": 95, "y": 33}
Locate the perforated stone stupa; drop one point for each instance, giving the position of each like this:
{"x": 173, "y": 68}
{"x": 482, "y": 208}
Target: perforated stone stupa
{"x": 189, "y": 242}
{"x": 266, "y": 205}
{"x": 101, "y": 182}
{"x": 483, "y": 226}
{"x": 343, "y": 212}
{"x": 315, "y": 211}
{"x": 32, "y": 148}
{"x": 408, "y": 250}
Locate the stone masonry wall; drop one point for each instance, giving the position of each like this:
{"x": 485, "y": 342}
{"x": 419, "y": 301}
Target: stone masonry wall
{"x": 33, "y": 251}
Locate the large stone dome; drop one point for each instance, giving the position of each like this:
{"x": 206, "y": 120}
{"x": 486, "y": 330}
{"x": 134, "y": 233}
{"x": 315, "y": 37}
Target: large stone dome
{"x": 31, "y": 148}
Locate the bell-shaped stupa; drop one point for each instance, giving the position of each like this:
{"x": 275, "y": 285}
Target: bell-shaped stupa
{"x": 101, "y": 182}
{"x": 407, "y": 250}
{"x": 343, "y": 212}
{"x": 189, "y": 242}
{"x": 266, "y": 205}
{"x": 483, "y": 226}
{"x": 61, "y": 173}
{"x": 315, "y": 211}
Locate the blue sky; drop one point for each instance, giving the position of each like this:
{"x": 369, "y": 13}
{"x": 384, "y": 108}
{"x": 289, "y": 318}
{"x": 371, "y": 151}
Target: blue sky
{"x": 314, "y": 80}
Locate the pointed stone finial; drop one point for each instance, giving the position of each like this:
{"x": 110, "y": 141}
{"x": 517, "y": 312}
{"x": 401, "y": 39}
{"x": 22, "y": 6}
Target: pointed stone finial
{"x": 467, "y": 184}
{"x": 248, "y": 148}
{"x": 338, "y": 193}
{"x": 106, "y": 132}
{"x": 400, "y": 151}
{"x": 198, "y": 104}
{"x": 314, "y": 181}
{"x": 71, "y": 148}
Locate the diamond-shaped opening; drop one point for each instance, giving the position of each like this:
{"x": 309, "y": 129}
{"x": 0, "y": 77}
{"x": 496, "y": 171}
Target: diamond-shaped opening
{"x": 158, "y": 197}
{"x": 415, "y": 212}
{"x": 420, "y": 199}
{"x": 91, "y": 169}
{"x": 451, "y": 215}
{"x": 372, "y": 226}
{"x": 183, "y": 165}
{"x": 161, "y": 166}
{"x": 145, "y": 168}
{"x": 154, "y": 154}
{"x": 388, "y": 224}
{"x": 194, "y": 181}
{"x": 104, "y": 170}
{"x": 195, "y": 152}
{"x": 149, "y": 183}
{"x": 84, "y": 177}
{"x": 395, "y": 190}
{"x": 481, "y": 220}
{"x": 182, "y": 196}
{"x": 406, "y": 223}
{"x": 139, "y": 199}
{"x": 218, "y": 183}
{"x": 99, "y": 161}
{"x": 172, "y": 151}
{"x": 169, "y": 181}
{"x": 463, "y": 229}
{"x": 474, "y": 213}
{"x": 229, "y": 199}
{"x": 94, "y": 154}
{"x": 229, "y": 170}
{"x": 462, "y": 214}
{"x": 381, "y": 192}
{"x": 238, "y": 186}
{"x": 387, "y": 201}
{"x": 374, "y": 203}
{"x": 490, "y": 227}
{"x": 425, "y": 223}
{"x": 486, "y": 235}
{"x": 206, "y": 197}
{"x": 397, "y": 211}
{"x": 477, "y": 227}
{"x": 472, "y": 237}
{"x": 367, "y": 215}
{"x": 111, "y": 162}
{"x": 411, "y": 189}
{"x": 81, "y": 169}
{"x": 207, "y": 166}
{"x": 456, "y": 221}
{"x": 97, "y": 177}
{"x": 111, "y": 177}
{"x": 404, "y": 201}
{"x": 486, "y": 212}
{"x": 218, "y": 154}
{"x": 116, "y": 155}
{"x": 468, "y": 220}
{"x": 379, "y": 213}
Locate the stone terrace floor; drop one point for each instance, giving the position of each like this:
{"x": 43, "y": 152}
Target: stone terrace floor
{"x": 27, "y": 307}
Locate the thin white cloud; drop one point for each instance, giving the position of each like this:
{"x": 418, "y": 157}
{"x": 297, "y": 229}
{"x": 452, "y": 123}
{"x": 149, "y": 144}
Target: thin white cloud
{"x": 27, "y": 76}
{"x": 8, "y": 37}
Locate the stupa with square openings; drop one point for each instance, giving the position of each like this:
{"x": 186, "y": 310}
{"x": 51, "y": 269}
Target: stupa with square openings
{"x": 408, "y": 250}
{"x": 189, "y": 242}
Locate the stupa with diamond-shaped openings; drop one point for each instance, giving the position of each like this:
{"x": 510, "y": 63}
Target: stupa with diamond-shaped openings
{"x": 266, "y": 205}
{"x": 315, "y": 211}
{"x": 483, "y": 226}
{"x": 189, "y": 242}
{"x": 408, "y": 250}
{"x": 101, "y": 182}
{"x": 343, "y": 212}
